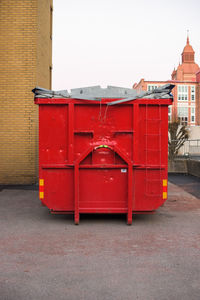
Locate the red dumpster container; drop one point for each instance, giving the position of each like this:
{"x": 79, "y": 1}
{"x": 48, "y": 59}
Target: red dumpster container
{"x": 96, "y": 157}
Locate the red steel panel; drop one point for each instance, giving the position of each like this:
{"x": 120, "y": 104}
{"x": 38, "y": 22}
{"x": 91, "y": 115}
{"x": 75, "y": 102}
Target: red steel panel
{"x": 95, "y": 158}
{"x": 103, "y": 193}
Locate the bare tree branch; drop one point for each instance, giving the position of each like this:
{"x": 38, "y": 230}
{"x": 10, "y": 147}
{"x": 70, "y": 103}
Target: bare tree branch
{"x": 177, "y": 135}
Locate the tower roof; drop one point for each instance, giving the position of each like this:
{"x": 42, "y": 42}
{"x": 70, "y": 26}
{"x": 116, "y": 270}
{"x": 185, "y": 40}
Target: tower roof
{"x": 188, "y": 53}
{"x": 188, "y": 48}
{"x": 188, "y": 68}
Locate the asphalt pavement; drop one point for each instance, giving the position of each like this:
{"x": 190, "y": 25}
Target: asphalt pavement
{"x": 44, "y": 256}
{"x": 190, "y": 184}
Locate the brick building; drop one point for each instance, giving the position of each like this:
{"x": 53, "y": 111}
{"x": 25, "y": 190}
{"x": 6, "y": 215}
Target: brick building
{"x": 25, "y": 61}
{"x": 186, "y": 79}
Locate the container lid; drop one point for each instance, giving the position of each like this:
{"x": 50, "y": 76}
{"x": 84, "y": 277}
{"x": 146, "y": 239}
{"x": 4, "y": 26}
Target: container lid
{"x": 96, "y": 93}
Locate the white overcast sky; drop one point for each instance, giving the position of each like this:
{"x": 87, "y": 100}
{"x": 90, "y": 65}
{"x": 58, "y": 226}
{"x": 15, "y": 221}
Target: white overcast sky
{"x": 118, "y": 42}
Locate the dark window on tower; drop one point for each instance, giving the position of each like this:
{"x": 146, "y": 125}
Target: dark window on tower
{"x": 50, "y": 76}
{"x": 191, "y": 56}
{"x": 51, "y": 21}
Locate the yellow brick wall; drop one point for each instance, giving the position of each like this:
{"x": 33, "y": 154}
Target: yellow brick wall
{"x": 25, "y": 58}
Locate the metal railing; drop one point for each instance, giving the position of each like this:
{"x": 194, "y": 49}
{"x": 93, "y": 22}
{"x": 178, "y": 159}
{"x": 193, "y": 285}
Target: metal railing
{"x": 191, "y": 148}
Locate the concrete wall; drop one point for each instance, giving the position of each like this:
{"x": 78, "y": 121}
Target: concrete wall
{"x": 178, "y": 166}
{"x": 185, "y": 166}
{"x": 193, "y": 167}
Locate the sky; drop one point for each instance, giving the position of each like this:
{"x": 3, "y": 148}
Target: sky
{"x": 118, "y": 42}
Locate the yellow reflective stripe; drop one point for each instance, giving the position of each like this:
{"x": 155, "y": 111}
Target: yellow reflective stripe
{"x": 164, "y": 182}
{"x": 41, "y": 182}
{"x": 164, "y": 195}
{"x": 41, "y": 195}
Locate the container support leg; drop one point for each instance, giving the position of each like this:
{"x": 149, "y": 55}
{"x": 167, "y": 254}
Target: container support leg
{"x": 130, "y": 195}
{"x": 76, "y": 219}
{"x": 129, "y": 218}
{"x": 76, "y": 194}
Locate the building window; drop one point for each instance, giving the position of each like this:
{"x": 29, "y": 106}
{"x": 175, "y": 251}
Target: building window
{"x": 183, "y": 115}
{"x": 169, "y": 113}
{"x": 192, "y": 114}
{"x": 151, "y": 87}
{"x": 50, "y": 76}
{"x": 192, "y": 91}
{"x": 182, "y": 92}
{"x": 51, "y": 21}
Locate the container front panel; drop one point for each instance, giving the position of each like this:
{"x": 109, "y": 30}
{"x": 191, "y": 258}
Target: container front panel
{"x": 148, "y": 189}
{"x": 152, "y": 157}
{"x": 103, "y": 125}
{"x": 53, "y": 136}
{"x": 103, "y": 189}
{"x": 153, "y": 135}
{"x": 58, "y": 189}
{"x": 66, "y": 133}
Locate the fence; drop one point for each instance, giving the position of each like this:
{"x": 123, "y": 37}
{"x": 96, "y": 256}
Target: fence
{"x": 191, "y": 148}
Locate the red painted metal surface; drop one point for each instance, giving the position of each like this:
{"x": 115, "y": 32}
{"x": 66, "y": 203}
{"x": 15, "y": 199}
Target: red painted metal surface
{"x": 95, "y": 158}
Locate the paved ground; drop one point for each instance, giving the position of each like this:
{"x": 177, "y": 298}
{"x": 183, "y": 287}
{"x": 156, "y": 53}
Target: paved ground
{"x": 47, "y": 257}
{"x": 190, "y": 184}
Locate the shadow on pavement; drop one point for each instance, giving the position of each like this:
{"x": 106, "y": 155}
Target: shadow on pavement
{"x": 188, "y": 183}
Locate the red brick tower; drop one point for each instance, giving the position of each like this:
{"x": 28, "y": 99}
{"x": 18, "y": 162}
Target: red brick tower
{"x": 187, "y": 70}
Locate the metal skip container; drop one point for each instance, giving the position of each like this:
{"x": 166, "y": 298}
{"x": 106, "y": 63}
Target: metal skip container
{"x": 103, "y": 150}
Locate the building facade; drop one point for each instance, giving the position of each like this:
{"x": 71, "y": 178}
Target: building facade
{"x": 186, "y": 78}
{"x": 25, "y": 61}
